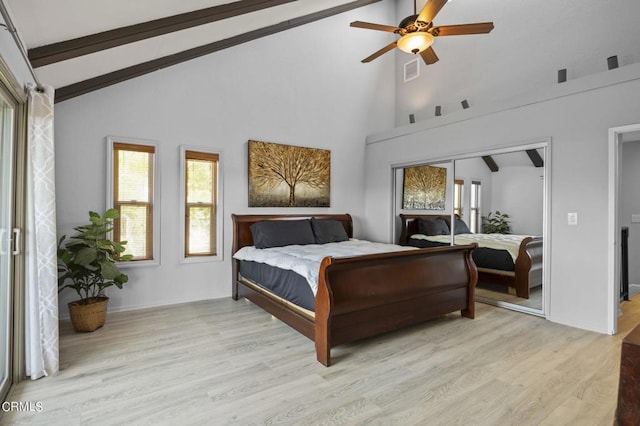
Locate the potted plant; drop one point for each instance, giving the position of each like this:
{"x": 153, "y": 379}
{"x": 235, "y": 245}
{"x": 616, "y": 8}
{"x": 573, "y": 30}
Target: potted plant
{"x": 86, "y": 264}
{"x": 496, "y": 223}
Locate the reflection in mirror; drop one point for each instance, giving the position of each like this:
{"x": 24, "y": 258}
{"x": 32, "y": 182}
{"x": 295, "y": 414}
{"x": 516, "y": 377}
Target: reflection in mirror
{"x": 502, "y": 206}
{"x": 495, "y": 201}
{"x": 423, "y": 190}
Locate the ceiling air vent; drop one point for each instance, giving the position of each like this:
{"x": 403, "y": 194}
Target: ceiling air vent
{"x": 411, "y": 70}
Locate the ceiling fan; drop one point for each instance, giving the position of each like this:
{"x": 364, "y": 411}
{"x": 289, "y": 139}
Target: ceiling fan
{"x": 417, "y": 32}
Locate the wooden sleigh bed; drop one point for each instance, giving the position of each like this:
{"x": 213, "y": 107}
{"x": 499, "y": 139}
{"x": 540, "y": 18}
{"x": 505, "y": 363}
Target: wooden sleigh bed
{"x": 365, "y": 295}
{"x": 525, "y": 274}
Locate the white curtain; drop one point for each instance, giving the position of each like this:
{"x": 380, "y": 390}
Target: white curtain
{"x": 41, "y": 292}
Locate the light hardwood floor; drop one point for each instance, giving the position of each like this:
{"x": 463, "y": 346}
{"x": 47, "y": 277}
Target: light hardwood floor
{"x": 226, "y": 362}
{"x": 509, "y": 295}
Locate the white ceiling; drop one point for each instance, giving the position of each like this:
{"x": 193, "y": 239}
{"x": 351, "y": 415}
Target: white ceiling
{"x": 43, "y": 22}
{"x": 530, "y": 42}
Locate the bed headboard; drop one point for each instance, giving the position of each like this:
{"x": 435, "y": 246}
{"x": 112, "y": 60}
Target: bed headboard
{"x": 242, "y": 233}
{"x": 410, "y": 224}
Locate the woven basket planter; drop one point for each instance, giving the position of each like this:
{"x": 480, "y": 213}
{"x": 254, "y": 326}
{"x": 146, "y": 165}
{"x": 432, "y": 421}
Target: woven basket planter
{"x": 88, "y": 316}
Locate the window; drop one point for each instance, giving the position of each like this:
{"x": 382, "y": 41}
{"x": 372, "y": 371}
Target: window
{"x": 202, "y": 219}
{"x": 475, "y": 206}
{"x": 458, "y": 188}
{"x": 133, "y": 193}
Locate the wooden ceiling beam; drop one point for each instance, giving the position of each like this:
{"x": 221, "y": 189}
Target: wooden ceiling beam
{"x": 491, "y": 163}
{"x": 105, "y": 80}
{"x": 535, "y": 158}
{"x": 68, "y": 49}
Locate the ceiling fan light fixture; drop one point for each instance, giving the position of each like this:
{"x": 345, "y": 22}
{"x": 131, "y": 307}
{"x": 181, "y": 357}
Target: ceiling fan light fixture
{"x": 415, "y": 42}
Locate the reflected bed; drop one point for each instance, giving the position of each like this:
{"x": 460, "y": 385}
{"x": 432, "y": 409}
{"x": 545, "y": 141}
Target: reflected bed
{"x": 511, "y": 261}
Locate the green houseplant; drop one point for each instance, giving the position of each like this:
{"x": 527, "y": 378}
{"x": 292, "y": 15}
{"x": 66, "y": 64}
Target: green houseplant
{"x": 86, "y": 264}
{"x": 496, "y": 223}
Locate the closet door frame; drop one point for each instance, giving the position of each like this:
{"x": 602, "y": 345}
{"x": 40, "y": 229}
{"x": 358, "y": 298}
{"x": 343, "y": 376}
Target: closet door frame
{"x": 541, "y": 143}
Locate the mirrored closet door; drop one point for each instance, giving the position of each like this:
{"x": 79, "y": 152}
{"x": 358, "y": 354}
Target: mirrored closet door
{"x": 496, "y": 200}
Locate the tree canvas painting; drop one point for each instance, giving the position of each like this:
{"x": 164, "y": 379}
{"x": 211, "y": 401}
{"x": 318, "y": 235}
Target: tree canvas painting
{"x": 424, "y": 188}
{"x": 288, "y": 176}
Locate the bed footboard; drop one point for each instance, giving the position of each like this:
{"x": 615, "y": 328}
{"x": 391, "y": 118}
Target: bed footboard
{"x": 364, "y": 296}
{"x": 527, "y": 271}
{"x": 528, "y": 266}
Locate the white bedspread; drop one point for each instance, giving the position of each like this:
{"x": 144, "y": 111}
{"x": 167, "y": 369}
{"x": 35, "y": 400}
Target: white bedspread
{"x": 508, "y": 242}
{"x": 305, "y": 259}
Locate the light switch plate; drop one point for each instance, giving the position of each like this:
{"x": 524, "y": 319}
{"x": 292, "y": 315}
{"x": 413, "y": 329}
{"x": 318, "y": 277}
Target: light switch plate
{"x": 635, "y": 218}
{"x": 572, "y": 218}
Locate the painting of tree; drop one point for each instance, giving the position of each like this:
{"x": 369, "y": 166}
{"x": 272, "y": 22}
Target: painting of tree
{"x": 424, "y": 188}
{"x": 288, "y": 176}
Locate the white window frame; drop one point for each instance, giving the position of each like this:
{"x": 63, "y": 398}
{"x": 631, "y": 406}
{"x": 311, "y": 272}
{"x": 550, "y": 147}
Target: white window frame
{"x": 478, "y": 213}
{"x": 156, "y": 195}
{"x": 218, "y": 257}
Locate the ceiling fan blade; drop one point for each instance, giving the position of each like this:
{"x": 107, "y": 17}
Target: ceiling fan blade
{"x": 429, "y": 56}
{"x": 430, "y": 10}
{"x": 449, "y": 30}
{"x": 380, "y": 52}
{"x": 370, "y": 26}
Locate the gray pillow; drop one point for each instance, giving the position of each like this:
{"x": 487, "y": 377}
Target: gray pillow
{"x": 278, "y": 233}
{"x": 433, "y": 226}
{"x": 328, "y": 231}
{"x": 460, "y": 227}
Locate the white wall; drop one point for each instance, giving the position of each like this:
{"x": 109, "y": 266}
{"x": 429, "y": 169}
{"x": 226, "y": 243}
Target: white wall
{"x": 630, "y": 203}
{"x": 11, "y": 55}
{"x": 291, "y": 87}
{"x": 475, "y": 169}
{"x": 530, "y": 42}
{"x": 576, "y": 115}
{"x": 519, "y": 192}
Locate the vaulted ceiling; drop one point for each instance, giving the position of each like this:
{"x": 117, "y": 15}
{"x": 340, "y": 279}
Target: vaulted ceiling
{"x": 78, "y": 46}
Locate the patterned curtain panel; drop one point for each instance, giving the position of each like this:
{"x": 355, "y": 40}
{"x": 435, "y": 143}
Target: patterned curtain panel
{"x": 41, "y": 293}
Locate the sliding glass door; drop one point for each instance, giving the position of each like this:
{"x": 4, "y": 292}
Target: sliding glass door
{"x": 7, "y": 111}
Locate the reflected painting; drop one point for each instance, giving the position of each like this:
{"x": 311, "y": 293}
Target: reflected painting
{"x": 288, "y": 176}
{"x": 424, "y": 188}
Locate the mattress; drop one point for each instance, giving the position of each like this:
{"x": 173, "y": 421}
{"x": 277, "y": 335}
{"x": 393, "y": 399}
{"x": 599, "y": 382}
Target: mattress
{"x": 483, "y": 257}
{"x": 306, "y": 259}
{"x": 291, "y": 272}
{"x": 281, "y": 282}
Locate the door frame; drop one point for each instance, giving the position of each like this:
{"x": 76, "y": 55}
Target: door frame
{"x": 18, "y": 95}
{"x": 616, "y": 135}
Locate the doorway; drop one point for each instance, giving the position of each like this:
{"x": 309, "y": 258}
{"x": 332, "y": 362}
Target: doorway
{"x": 624, "y": 212}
